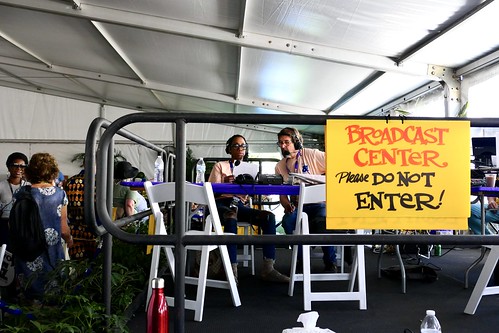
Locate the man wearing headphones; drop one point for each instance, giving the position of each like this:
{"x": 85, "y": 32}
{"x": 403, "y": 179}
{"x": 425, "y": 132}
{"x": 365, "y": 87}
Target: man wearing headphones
{"x": 233, "y": 207}
{"x": 297, "y": 159}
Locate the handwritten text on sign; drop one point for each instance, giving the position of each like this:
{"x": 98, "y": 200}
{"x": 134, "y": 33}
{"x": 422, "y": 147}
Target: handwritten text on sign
{"x": 397, "y": 173}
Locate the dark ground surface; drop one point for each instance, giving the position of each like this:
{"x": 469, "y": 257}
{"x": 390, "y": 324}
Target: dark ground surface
{"x": 266, "y": 307}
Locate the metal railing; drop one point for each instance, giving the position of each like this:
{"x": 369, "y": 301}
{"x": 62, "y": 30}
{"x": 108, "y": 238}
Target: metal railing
{"x": 180, "y": 241}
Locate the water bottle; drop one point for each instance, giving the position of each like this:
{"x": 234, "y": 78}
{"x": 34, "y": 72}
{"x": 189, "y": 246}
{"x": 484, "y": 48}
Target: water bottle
{"x": 200, "y": 170}
{"x": 159, "y": 168}
{"x": 430, "y": 323}
{"x": 157, "y": 310}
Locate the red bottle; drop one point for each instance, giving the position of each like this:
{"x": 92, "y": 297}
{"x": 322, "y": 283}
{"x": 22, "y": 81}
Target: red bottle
{"x": 157, "y": 310}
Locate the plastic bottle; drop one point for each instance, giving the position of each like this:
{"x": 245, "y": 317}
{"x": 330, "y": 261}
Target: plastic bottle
{"x": 437, "y": 250}
{"x": 159, "y": 168}
{"x": 200, "y": 170}
{"x": 157, "y": 310}
{"x": 430, "y": 323}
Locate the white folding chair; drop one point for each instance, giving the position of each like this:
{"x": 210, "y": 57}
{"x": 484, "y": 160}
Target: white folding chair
{"x": 202, "y": 195}
{"x": 248, "y": 254}
{"x": 315, "y": 194}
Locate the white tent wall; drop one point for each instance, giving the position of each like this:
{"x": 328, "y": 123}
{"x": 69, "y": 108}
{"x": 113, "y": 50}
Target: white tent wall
{"x": 36, "y": 122}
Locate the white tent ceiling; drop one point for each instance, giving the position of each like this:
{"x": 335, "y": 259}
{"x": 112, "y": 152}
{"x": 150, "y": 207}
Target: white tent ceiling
{"x": 256, "y": 56}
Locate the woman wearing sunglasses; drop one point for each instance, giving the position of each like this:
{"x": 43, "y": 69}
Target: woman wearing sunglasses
{"x": 232, "y": 208}
{"x": 16, "y": 163}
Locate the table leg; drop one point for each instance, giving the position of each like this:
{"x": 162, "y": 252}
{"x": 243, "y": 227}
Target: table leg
{"x": 481, "y": 198}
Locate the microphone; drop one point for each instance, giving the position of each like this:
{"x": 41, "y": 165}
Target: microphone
{"x": 286, "y": 153}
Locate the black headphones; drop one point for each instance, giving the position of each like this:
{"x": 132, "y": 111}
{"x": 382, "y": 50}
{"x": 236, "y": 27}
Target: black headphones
{"x": 229, "y": 143}
{"x": 295, "y": 136}
{"x": 244, "y": 179}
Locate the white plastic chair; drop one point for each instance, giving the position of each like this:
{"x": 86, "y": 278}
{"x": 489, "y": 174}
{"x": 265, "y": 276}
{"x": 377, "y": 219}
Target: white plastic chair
{"x": 202, "y": 195}
{"x": 248, "y": 254}
{"x": 481, "y": 289}
{"x": 315, "y": 194}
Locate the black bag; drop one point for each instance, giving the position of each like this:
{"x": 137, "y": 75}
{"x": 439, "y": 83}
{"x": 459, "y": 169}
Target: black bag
{"x": 27, "y": 235}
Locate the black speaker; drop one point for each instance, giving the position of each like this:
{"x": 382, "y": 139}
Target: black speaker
{"x": 270, "y": 179}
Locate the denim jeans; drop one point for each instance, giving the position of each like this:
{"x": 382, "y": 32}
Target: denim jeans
{"x": 317, "y": 224}
{"x": 475, "y": 222}
{"x": 261, "y": 218}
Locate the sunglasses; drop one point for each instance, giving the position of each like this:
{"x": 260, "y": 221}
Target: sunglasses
{"x": 238, "y": 146}
{"x": 17, "y": 165}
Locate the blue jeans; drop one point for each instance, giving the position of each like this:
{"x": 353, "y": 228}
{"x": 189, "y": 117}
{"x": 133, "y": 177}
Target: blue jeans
{"x": 261, "y": 218}
{"x": 317, "y": 224}
{"x": 475, "y": 222}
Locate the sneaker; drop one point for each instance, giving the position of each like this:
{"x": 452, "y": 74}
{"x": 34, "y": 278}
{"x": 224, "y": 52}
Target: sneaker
{"x": 275, "y": 276}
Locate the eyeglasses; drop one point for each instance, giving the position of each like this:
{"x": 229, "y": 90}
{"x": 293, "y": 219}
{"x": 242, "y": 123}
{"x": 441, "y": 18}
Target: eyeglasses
{"x": 286, "y": 143}
{"x": 238, "y": 146}
{"x": 17, "y": 165}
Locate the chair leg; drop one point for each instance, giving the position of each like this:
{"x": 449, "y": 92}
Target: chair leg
{"x": 402, "y": 268}
{"x": 307, "y": 280}
{"x": 361, "y": 277}
{"x": 245, "y": 248}
{"x": 292, "y": 274}
{"x": 380, "y": 254}
{"x": 353, "y": 272}
{"x": 234, "y": 292}
{"x": 201, "y": 290}
{"x": 481, "y": 288}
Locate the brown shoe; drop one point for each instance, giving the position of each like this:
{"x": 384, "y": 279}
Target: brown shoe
{"x": 234, "y": 270}
{"x": 274, "y": 276}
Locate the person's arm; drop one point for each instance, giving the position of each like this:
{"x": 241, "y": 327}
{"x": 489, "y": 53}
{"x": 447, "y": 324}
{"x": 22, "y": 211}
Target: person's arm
{"x": 286, "y": 204}
{"x": 65, "y": 231}
{"x": 492, "y": 204}
{"x": 218, "y": 175}
{"x": 284, "y": 199}
{"x": 129, "y": 207}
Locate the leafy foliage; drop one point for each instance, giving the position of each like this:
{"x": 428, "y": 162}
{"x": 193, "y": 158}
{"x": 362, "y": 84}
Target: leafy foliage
{"x": 74, "y": 296}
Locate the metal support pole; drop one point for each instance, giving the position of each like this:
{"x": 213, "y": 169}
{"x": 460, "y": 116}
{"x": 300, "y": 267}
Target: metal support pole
{"x": 180, "y": 250}
{"x": 107, "y": 243}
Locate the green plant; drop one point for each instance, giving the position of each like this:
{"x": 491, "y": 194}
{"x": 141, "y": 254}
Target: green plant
{"x": 80, "y": 158}
{"x": 74, "y": 295}
{"x": 190, "y": 161}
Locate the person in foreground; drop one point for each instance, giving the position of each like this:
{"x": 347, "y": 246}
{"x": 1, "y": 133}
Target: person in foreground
{"x": 298, "y": 159}
{"x": 222, "y": 172}
{"x": 52, "y": 202}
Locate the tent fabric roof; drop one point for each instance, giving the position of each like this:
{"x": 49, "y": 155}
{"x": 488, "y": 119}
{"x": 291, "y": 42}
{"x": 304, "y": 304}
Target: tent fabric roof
{"x": 256, "y": 56}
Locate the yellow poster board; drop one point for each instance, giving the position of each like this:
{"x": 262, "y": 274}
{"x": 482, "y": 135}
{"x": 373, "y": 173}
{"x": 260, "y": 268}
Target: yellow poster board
{"x": 412, "y": 174}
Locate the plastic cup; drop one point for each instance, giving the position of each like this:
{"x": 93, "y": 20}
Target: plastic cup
{"x": 490, "y": 180}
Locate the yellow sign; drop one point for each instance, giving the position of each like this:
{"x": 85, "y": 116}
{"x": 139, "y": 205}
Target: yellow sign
{"x": 412, "y": 174}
